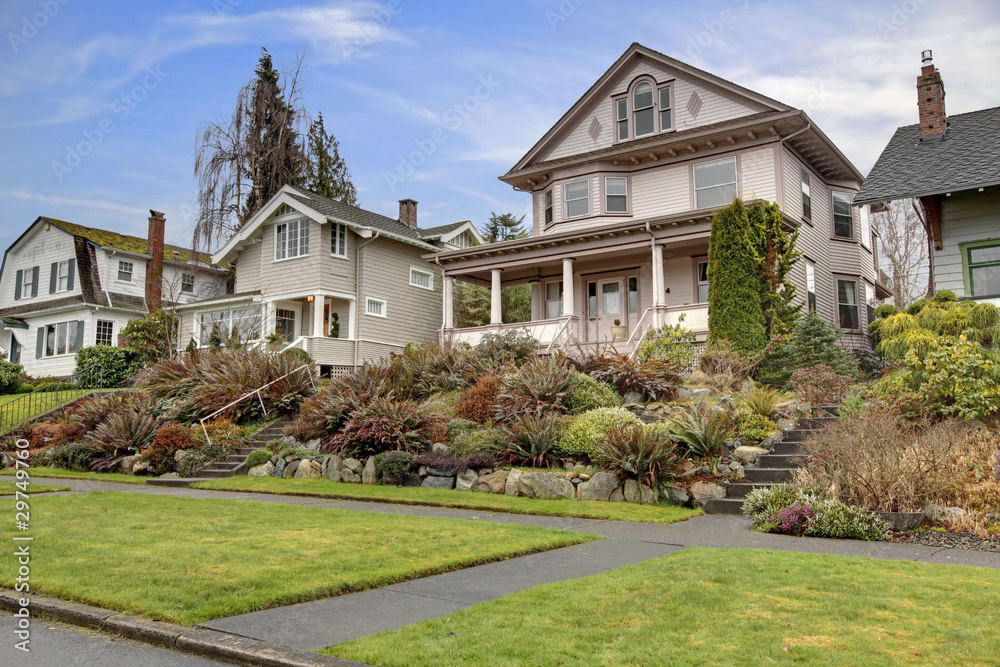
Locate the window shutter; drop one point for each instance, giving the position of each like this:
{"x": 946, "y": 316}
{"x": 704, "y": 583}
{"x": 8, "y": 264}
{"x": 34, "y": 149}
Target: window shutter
{"x": 79, "y": 335}
{"x": 72, "y": 273}
{"x": 17, "y": 284}
{"x": 34, "y": 281}
{"x": 53, "y": 277}
{"x": 41, "y": 343}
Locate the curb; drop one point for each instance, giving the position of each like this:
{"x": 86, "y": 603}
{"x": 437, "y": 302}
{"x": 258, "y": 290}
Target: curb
{"x": 198, "y": 641}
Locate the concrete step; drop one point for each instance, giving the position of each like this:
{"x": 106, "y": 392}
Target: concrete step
{"x": 799, "y": 434}
{"x": 827, "y": 410}
{"x": 220, "y": 465}
{"x": 740, "y": 489}
{"x": 786, "y": 448}
{"x": 780, "y": 460}
{"x": 215, "y": 474}
{"x": 776, "y": 475}
{"x": 724, "y": 506}
{"x": 814, "y": 422}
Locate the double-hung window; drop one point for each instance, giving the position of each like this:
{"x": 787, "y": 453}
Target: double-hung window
{"x": 807, "y": 209}
{"x": 810, "y": 286}
{"x": 984, "y": 269}
{"x": 187, "y": 283}
{"x": 715, "y": 182}
{"x": 125, "y": 271}
{"x": 284, "y": 323}
{"x": 291, "y": 239}
{"x": 577, "y": 197}
{"x": 63, "y": 271}
{"x": 702, "y": 282}
{"x": 621, "y": 118}
{"x": 547, "y": 204}
{"x": 642, "y": 109}
{"x": 843, "y": 220}
{"x": 338, "y": 240}
{"x": 666, "y": 117}
{"x": 553, "y": 299}
{"x": 847, "y": 304}
{"x": 616, "y": 194}
{"x": 28, "y": 283}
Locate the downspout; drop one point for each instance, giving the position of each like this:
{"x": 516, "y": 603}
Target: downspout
{"x": 357, "y": 293}
{"x": 794, "y": 134}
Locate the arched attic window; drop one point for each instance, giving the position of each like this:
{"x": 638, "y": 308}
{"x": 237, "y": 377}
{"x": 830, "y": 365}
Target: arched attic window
{"x": 642, "y": 109}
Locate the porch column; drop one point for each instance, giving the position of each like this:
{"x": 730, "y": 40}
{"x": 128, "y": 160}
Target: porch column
{"x": 318, "y": 303}
{"x": 352, "y": 316}
{"x": 449, "y": 302}
{"x": 569, "y": 302}
{"x": 496, "y": 314}
{"x": 658, "y": 285}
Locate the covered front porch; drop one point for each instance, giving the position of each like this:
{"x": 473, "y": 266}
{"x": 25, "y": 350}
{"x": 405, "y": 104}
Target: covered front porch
{"x": 595, "y": 291}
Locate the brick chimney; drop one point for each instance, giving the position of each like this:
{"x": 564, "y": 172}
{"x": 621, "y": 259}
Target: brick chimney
{"x": 408, "y": 212}
{"x": 930, "y": 101}
{"x": 154, "y": 266}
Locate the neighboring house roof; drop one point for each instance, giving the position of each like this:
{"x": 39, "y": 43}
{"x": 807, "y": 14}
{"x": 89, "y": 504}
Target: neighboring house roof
{"x": 444, "y": 233}
{"x": 14, "y": 323}
{"x": 967, "y": 157}
{"x": 118, "y": 301}
{"x": 347, "y": 213}
{"x": 133, "y": 244}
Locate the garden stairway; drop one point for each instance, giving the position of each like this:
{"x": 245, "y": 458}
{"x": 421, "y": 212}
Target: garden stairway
{"x": 771, "y": 469}
{"x": 235, "y": 464}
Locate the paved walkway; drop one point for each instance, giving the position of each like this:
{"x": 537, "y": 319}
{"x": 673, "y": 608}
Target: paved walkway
{"x": 313, "y": 625}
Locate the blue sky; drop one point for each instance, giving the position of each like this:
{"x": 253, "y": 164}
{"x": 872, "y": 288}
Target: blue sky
{"x": 100, "y": 102}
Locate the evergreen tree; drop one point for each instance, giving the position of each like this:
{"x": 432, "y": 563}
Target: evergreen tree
{"x": 325, "y": 171}
{"x": 814, "y": 341}
{"x": 504, "y": 227}
{"x": 775, "y": 254}
{"x": 735, "y": 283}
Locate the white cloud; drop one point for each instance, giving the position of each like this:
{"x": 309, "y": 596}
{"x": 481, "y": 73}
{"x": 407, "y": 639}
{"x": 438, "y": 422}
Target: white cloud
{"x": 122, "y": 211}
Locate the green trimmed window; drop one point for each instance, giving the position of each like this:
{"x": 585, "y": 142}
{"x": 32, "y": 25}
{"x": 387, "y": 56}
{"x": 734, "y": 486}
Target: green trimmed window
{"x": 982, "y": 262}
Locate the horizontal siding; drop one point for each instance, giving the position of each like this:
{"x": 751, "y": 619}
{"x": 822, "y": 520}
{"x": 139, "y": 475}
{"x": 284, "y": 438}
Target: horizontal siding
{"x": 661, "y": 191}
{"x": 248, "y": 267}
{"x": 965, "y": 217}
{"x": 65, "y": 364}
{"x": 412, "y": 313}
{"x": 757, "y": 177}
{"x": 44, "y": 248}
{"x": 289, "y": 275}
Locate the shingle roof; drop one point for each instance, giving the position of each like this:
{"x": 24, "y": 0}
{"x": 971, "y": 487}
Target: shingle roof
{"x": 967, "y": 157}
{"x": 440, "y": 230}
{"x": 348, "y": 213}
{"x": 35, "y": 306}
{"x": 125, "y": 242}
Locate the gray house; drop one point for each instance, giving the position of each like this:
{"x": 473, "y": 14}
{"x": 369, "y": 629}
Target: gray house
{"x": 342, "y": 283}
{"x": 951, "y": 165}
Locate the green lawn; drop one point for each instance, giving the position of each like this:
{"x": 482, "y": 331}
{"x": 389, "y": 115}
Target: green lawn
{"x": 324, "y": 488}
{"x": 41, "y": 403}
{"x": 8, "y": 487}
{"x": 719, "y": 607}
{"x": 63, "y": 473}
{"x": 187, "y": 561}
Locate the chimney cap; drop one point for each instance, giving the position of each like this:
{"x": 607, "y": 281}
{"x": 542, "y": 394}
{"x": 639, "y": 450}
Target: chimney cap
{"x": 156, "y": 214}
{"x": 926, "y": 57}
{"x": 408, "y": 201}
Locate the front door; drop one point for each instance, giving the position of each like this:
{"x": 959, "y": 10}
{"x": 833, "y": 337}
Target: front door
{"x": 609, "y": 307}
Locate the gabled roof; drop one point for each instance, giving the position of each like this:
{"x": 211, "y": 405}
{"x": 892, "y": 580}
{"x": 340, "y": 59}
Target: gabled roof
{"x": 342, "y": 212}
{"x": 967, "y": 157}
{"x": 126, "y": 243}
{"x": 444, "y": 233}
{"x": 634, "y": 52}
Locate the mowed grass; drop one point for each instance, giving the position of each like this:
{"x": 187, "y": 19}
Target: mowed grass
{"x": 719, "y": 607}
{"x": 63, "y": 473}
{"x": 186, "y": 561}
{"x": 40, "y": 403}
{"x": 8, "y": 487}
{"x": 472, "y": 500}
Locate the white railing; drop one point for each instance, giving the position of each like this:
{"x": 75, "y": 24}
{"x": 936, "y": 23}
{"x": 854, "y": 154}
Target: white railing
{"x": 562, "y": 333}
{"x": 298, "y": 342}
{"x": 543, "y": 331}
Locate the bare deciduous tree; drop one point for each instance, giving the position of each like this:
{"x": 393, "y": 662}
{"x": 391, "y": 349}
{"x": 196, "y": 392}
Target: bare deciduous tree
{"x": 903, "y": 250}
{"x": 243, "y": 162}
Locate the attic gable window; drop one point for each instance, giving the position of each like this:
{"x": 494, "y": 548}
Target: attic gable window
{"x": 666, "y": 118}
{"x": 125, "y": 271}
{"x": 291, "y": 239}
{"x": 642, "y": 109}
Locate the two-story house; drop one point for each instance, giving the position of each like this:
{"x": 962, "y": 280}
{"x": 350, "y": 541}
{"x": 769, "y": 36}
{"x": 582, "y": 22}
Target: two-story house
{"x": 624, "y": 187}
{"x": 345, "y": 284}
{"x": 951, "y": 165}
{"x": 64, "y": 286}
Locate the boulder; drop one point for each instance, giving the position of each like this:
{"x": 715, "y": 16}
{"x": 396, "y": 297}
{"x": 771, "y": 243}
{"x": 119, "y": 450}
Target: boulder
{"x": 438, "y": 482}
{"x": 748, "y": 453}
{"x": 308, "y": 468}
{"x": 348, "y": 476}
{"x": 332, "y": 466}
{"x": 513, "y": 486}
{"x": 598, "y": 487}
{"x": 547, "y": 485}
{"x": 127, "y": 463}
{"x": 180, "y": 454}
{"x": 353, "y": 465}
{"x": 939, "y": 513}
{"x": 632, "y": 397}
{"x": 702, "y": 492}
{"x": 768, "y": 442}
{"x": 786, "y": 424}
{"x": 701, "y": 393}
{"x": 312, "y": 445}
{"x": 291, "y": 469}
{"x": 634, "y": 492}
{"x": 140, "y": 467}
{"x": 465, "y": 480}
{"x": 279, "y": 467}
{"x": 437, "y": 472}
{"x": 170, "y": 475}
{"x": 368, "y": 474}
{"x": 674, "y": 495}
{"x": 494, "y": 482}
{"x": 683, "y": 394}
{"x": 440, "y": 448}
{"x": 412, "y": 479}
{"x": 263, "y": 470}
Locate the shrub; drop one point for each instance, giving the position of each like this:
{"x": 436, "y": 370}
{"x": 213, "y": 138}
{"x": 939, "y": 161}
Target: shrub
{"x": 258, "y": 457}
{"x": 106, "y": 366}
{"x": 581, "y": 436}
{"x": 393, "y": 467}
{"x": 53, "y": 432}
{"x": 510, "y": 348}
{"x": 760, "y": 400}
{"x": 454, "y": 464}
{"x": 477, "y": 403}
{"x": 754, "y": 426}
{"x": 785, "y": 509}
{"x": 637, "y": 453}
{"x": 442, "y": 404}
{"x": 151, "y": 336}
{"x": 72, "y": 455}
{"x": 458, "y": 427}
{"x": 10, "y": 376}
{"x": 820, "y": 385}
{"x": 479, "y": 441}
{"x": 538, "y": 386}
{"x": 723, "y": 367}
{"x": 654, "y": 379}
{"x": 814, "y": 341}
{"x": 194, "y": 461}
{"x": 225, "y": 434}
{"x": 871, "y": 364}
{"x": 167, "y": 442}
{"x": 589, "y": 394}
{"x": 885, "y": 310}
{"x": 703, "y": 429}
{"x": 426, "y": 368}
{"x": 735, "y": 284}
{"x": 124, "y": 430}
{"x": 381, "y": 426}
{"x": 530, "y": 439}
{"x": 671, "y": 343}
{"x": 852, "y": 404}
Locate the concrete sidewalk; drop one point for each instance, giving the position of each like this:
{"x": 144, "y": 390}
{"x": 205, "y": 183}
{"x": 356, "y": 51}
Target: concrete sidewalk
{"x": 322, "y": 623}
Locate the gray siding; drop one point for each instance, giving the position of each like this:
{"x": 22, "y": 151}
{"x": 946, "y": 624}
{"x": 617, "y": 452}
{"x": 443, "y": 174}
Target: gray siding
{"x": 965, "y": 217}
{"x": 412, "y": 313}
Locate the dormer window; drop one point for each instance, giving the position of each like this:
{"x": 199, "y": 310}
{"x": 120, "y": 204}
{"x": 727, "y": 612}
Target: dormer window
{"x": 642, "y": 109}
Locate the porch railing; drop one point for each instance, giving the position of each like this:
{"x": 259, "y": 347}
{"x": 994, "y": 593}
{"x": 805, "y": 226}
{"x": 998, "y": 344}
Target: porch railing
{"x": 561, "y": 336}
{"x": 50, "y": 397}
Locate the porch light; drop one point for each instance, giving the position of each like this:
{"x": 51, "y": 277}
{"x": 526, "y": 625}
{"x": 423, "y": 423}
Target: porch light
{"x": 310, "y": 298}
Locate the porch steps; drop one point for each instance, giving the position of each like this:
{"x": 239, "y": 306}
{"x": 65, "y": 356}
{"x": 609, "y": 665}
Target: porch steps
{"x": 235, "y": 463}
{"x": 772, "y": 469}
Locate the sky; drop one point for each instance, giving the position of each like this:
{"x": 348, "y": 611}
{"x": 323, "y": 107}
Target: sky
{"x": 101, "y": 102}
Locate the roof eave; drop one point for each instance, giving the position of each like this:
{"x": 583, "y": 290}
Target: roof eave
{"x": 917, "y": 194}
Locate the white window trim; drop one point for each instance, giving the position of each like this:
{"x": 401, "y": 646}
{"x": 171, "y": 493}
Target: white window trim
{"x": 299, "y": 222}
{"x": 28, "y": 281}
{"x": 810, "y": 273}
{"x": 566, "y": 200}
{"x": 131, "y": 272}
{"x": 62, "y": 276}
{"x": 560, "y": 300}
{"x": 187, "y": 282}
{"x": 605, "y": 195}
{"x": 429, "y": 274}
{"x": 370, "y": 300}
{"x": 694, "y": 178}
{"x": 865, "y": 225}
{"x": 111, "y": 333}
{"x": 548, "y": 207}
{"x": 659, "y": 108}
{"x": 71, "y": 326}
{"x": 334, "y": 232}
{"x": 833, "y": 215}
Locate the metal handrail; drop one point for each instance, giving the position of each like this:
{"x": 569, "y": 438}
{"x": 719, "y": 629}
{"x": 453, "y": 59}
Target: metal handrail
{"x": 255, "y": 392}
{"x": 28, "y": 404}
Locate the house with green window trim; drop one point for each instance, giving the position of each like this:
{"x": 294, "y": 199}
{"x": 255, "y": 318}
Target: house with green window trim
{"x": 951, "y": 166}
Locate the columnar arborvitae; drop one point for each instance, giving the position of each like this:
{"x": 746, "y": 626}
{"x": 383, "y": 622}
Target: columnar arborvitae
{"x": 775, "y": 254}
{"x": 734, "y": 281}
